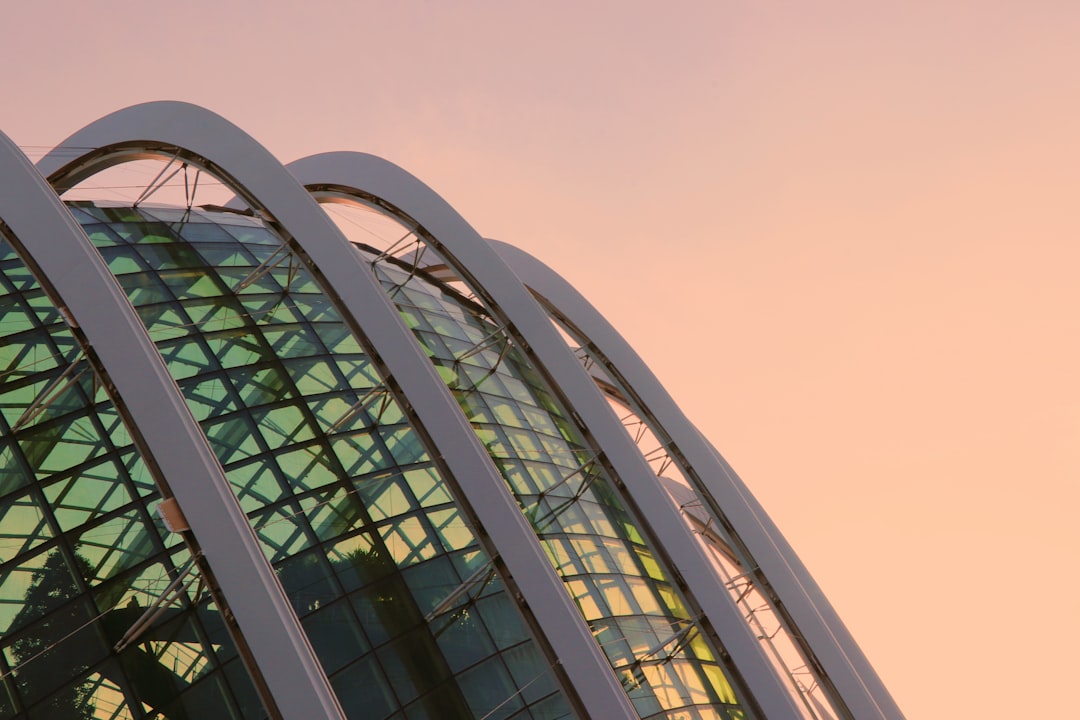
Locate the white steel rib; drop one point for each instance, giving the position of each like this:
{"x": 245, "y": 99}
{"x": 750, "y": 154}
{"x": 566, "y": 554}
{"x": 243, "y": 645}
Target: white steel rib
{"x": 523, "y": 295}
{"x": 847, "y": 667}
{"x": 206, "y": 140}
{"x": 56, "y": 245}
{"x": 372, "y": 180}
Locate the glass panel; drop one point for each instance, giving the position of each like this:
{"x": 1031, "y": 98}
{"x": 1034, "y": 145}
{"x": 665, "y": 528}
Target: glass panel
{"x": 22, "y": 525}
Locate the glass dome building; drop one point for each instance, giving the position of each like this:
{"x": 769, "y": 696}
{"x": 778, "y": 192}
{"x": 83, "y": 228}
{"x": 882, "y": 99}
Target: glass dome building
{"x": 253, "y": 467}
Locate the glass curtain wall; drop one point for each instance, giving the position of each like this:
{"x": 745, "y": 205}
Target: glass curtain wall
{"x": 362, "y": 530}
{"x": 82, "y": 551}
{"x": 622, "y": 590}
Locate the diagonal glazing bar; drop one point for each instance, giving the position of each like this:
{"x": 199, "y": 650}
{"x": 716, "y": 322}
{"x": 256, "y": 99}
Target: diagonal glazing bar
{"x": 51, "y": 392}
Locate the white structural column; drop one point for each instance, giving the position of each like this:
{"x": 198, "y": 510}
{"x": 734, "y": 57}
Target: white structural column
{"x": 263, "y": 183}
{"x": 477, "y": 263}
{"x": 87, "y": 291}
{"x": 843, "y": 661}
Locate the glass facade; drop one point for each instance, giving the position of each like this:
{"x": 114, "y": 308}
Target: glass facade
{"x": 82, "y": 552}
{"x": 364, "y": 533}
{"x": 402, "y": 606}
{"x": 362, "y": 582}
{"x": 596, "y": 546}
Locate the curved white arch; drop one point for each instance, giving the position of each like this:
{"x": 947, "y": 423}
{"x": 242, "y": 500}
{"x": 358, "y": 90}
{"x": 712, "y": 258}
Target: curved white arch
{"x": 221, "y": 147}
{"x": 381, "y": 182}
{"x": 68, "y": 263}
{"x": 843, "y": 660}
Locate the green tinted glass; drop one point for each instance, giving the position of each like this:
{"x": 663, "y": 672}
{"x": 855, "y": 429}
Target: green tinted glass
{"x": 342, "y": 493}
{"x": 81, "y": 552}
{"x": 630, "y": 603}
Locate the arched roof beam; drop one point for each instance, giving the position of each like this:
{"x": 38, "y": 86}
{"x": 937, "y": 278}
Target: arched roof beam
{"x": 379, "y": 183}
{"x": 801, "y": 598}
{"x": 76, "y": 278}
{"x": 221, "y": 148}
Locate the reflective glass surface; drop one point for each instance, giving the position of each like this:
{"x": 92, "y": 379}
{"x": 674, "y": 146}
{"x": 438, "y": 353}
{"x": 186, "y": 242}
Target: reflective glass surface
{"x": 82, "y": 552}
{"x": 398, "y": 599}
{"x": 621, "y": 588}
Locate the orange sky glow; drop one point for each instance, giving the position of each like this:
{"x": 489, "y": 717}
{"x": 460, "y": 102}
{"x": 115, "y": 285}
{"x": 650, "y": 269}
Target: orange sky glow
{"x": 844, "y": 235}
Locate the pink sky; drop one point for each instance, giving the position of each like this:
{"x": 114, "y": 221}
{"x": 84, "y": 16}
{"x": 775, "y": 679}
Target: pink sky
{"x": 843, "y": 233}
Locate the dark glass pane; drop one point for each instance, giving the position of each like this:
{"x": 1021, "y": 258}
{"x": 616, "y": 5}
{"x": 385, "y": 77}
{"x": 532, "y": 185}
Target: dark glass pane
{"x": 48, "y": 654}
{"x": 336, "y": 635}
{"x": 363, "y": 691}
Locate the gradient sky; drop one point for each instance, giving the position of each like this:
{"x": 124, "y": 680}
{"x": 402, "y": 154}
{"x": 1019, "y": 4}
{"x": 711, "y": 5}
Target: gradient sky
{"x": 844, "y": 234}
